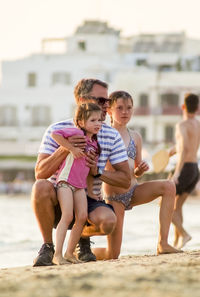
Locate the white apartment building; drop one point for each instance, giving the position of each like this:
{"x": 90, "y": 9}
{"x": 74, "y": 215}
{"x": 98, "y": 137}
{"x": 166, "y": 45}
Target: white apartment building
{"x": 38, "y": 90}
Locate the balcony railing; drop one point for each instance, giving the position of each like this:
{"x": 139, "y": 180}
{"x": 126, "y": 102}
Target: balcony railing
{"x": 142, "y": 110}
{"x": 171, "y": 110}
{"x": 159, "y": 110}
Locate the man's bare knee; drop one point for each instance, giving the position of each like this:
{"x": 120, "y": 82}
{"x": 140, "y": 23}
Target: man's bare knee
{"x": 108, "y": 225}
{"x": 43, "y": 191}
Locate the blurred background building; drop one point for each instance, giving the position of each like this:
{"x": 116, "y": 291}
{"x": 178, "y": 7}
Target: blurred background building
{"x": 157, "y": 69}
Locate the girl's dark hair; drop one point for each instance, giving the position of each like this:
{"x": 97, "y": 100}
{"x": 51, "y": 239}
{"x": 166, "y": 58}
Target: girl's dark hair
{"x": 83, "y": 112}
{"x": 116, "y": 95}
{"x": 119, "y": 94}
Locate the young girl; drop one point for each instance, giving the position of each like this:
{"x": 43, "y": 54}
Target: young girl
{"x": 121, "y": 111}
{"x": 72, "y": 176}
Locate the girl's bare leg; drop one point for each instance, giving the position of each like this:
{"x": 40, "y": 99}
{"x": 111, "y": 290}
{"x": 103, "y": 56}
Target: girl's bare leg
{"x": 80, "y": 208}
{"x": 148, "y": 191}
{"x": 65, "y": 199}
{"x": 115, "y": 238}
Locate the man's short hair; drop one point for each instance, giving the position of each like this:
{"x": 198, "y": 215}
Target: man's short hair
{"x": 84, "y": 87}
{"x": 191, "y": 102}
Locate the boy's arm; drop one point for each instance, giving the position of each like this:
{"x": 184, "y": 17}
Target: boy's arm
{"x": 172, "y": 151}
{"x": 182, "y": 141}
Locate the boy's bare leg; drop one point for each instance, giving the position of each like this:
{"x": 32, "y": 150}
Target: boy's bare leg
{"x": 177, "y": 220}
{"x": 176, "y": 237}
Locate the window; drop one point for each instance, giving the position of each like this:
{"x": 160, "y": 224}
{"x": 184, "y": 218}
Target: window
{"x": 61, "y": 78}
{"x": 82, "y": 45}
{"x": 32, "y": 79}
{"x": 143, "y": 100}
{"x": 141, "y": 62}
{"x": 170, "y": 99}
{"x": 8, "y": 116}
{"x": 141, "y": 130}
{"x": 40, "y": 115}
{"x": 143, "y": 133}
{"x": 169, "y": 134}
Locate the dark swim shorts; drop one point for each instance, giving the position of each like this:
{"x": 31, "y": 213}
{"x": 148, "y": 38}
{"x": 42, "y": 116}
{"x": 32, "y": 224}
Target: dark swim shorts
{"x": 188, "y": 178}
{"x": 92, "y": 205}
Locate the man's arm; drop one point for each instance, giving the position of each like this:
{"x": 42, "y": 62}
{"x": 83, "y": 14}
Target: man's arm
{"x": 47, "y": 165}
{"x": 121, "y": 177}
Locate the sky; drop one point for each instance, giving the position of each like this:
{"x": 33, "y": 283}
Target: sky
{"x": 24, "y": 23}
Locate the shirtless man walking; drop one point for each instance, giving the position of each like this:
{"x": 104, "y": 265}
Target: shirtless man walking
{"x": 186, "y": 173}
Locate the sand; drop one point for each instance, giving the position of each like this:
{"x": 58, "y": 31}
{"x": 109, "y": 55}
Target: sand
{"x": 159, "y": 276}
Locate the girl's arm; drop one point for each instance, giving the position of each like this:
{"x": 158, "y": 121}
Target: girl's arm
{"x": 140, "y": 165}
{"x": 64, "y": 142}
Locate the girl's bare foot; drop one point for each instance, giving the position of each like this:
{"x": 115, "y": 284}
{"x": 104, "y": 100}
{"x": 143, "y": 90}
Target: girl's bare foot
{"x": 167, "y": 249}
{"x": 59, "y": 260}
{"x": 72, "y": 259}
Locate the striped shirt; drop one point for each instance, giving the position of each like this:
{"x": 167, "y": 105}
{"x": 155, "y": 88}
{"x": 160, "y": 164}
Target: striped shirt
{"x": 110, "y": 141}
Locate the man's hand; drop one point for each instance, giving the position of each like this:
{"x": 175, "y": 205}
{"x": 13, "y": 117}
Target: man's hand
{"x": 77, "y": 141}
{"x": 91, "y": 162}
{"x": 77, "y": 152}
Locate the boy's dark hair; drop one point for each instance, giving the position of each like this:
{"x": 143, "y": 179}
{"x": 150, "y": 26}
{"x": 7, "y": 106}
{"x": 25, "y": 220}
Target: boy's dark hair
{"x": 84, "y": 87}
{"x": 191, "y": 102}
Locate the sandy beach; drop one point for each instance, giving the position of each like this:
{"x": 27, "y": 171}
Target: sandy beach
{"x": 172, "y": 275}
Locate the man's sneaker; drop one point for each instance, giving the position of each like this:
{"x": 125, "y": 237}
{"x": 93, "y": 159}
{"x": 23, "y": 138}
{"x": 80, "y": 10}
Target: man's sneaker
{"x": 83, "y": 250}
{"x": 45, "y": 255}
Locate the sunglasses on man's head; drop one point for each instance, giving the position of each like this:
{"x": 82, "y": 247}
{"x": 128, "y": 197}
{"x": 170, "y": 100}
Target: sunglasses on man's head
{"x": 100, "y": 100}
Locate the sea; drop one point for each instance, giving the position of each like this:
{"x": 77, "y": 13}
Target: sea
{"x": 20, "y": 238}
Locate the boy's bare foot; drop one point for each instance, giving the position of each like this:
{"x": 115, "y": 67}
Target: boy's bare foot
{"x": 183, "y": 240}
{"x": 175, "y": 244}
{"x": 167, "y": 249}
{"x": 72, "y": 259}
{"x": 59, "y": 260}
